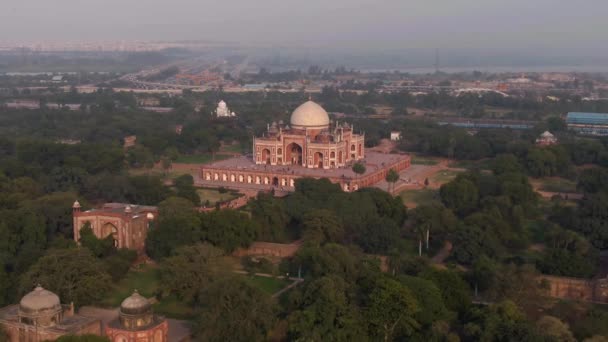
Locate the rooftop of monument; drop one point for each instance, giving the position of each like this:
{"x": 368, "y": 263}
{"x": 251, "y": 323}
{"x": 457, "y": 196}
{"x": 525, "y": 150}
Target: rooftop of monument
{"x": 118, "y": 208}
{"x": 10, "y": 315}
{"x": 373, "y": 162}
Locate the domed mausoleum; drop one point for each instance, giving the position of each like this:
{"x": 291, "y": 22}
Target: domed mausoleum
{"x": 309, "y": 146}
{"x": 40, "y": 316}
{"x": 310, "y": 141}
{"x": 137, "y": 322}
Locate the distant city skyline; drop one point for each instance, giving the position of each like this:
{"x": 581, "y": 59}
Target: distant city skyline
{"x": 566, "y": 26}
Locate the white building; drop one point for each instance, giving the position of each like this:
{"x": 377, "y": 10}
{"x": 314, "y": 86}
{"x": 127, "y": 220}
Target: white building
{"x": 546, "y": 139}
{"x": 222, "y": 111}
{"x": 395, "y": 135}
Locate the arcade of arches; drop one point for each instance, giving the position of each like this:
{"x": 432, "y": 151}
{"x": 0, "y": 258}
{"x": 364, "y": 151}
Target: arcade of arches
{"x": 128, "y": 224}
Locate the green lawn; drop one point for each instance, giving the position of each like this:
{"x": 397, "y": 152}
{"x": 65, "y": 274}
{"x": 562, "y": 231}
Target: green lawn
{"x": 444, "y": 176}
{"x": 424, "y": 160}
{"x": 214, "y": 196}
{"x": 484, "y": 164}
{"x": 235, "y": 148}
{"x": 266, "y": 284}
{"x": 420, "y": 197}
{"x": 156, "y": 172}
{"x": 557, "y": 185}
{"x": 200, "y": 158}
{"x": 146, "y": 282}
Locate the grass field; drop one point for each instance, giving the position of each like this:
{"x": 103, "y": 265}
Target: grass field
{"x": 419, "y": 197}
{"x": 484, "y": 164}
{"x": 200, "y": 158}
{"x": 266, "y": 284}
{"x": 444, "y": 176}
{"x": 214, "y": 196}
{"x": 235, "y": 148}
{"x": 146, "y": 282}
{"x": 424, "y": 160}
{"x": 156, "y": 172}
{"x": 557, "y": 185}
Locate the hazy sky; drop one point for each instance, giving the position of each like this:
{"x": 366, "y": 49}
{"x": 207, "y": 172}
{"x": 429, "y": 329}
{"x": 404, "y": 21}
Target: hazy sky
{"x": 574, "y": 24}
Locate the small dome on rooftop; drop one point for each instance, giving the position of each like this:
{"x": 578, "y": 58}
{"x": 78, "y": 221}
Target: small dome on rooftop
{"x": 135, "y": 304}
{"x": 40, "y": 299}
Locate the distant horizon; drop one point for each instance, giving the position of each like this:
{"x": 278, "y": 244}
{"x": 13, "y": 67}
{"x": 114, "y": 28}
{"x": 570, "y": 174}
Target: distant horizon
{"x": 342, "y": 24}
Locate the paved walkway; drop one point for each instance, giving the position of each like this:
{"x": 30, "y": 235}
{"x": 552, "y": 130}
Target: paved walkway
{"x": 443, "y": 253}
{"x": 295, "y": 281}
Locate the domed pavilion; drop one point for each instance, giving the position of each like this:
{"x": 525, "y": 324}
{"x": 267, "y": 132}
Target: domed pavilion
{"x": 310, "y": 140}
{"x": 137, "y": 322}
{"x": 40, "y": 316}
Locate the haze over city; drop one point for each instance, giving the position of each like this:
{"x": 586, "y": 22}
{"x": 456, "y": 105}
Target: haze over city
{"x": 578, "y": 27}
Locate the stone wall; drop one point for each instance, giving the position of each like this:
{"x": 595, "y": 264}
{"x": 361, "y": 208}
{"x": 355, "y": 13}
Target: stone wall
{"x": 577, "y": 289}
{"x": 280, "y": 250}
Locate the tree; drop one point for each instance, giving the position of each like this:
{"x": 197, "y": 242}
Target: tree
{"x": 378, "y": 235}
{"x": 391, "y": 309}
{"x": 99, "y": 247}
{"x": 228, "y": 229}
{"x": 329, "y": 259}
{"x": 321, "y": 226}
{"x": 428, "y": 297}
{"x": 166, "y": 163}
{"x": 192, "y": 270}
{"x": 391, "y": 178}
{"x": 184, "y": 186}
{"x": 554, "y": 328}
{"x": 177, "y": 225}
{"x": 270, "y": 214}
{"x": 460, "y": 194}
{"x": 436, "y": 218}
{"x": 506, "y": 163}
{"x": 234, "y": 310}
{"x": 359, "y": 168}
{"x": 323, "y": 309}
{"x": 503, "y": 321}
{"x": 75, "y": 275}
{"x": 541, "y": 162}
{"x": 454, "y": 290}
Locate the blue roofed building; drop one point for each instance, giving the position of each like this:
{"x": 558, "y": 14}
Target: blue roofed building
{"x": 588, "y": 123}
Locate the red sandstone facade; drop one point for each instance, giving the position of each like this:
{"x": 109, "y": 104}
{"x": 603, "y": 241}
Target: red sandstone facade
{"x": 157, "y": 333}
{"x": 128, "y": 224}
{"x": 285, "y": 178}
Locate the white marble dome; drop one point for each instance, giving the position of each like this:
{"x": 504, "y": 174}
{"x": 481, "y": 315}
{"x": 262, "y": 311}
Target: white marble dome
{"x": 309, "y": 115}
{"x": 40, "y": 300}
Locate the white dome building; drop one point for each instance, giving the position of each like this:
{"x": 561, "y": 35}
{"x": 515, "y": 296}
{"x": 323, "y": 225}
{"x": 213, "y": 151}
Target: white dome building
{"x": 310, "y": 141}
{"x": 309, "y": 115}
{"x": 222, "y": 110}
